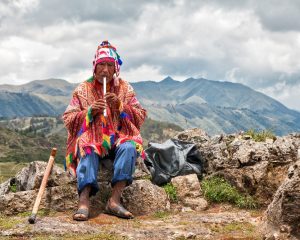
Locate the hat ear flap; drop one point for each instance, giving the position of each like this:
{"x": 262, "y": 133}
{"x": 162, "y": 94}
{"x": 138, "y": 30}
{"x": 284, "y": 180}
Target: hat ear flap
{"x": 116, "y": 80}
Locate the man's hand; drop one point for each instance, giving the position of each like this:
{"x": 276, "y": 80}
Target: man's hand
{"x": 112, "y": 100}
{"x": 98, "y": 107}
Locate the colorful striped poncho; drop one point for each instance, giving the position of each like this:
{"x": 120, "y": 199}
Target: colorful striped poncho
{"x": 87, "y": 133}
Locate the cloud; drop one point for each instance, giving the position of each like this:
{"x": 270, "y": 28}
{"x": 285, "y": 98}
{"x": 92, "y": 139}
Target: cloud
{"x": 256, "y": 43}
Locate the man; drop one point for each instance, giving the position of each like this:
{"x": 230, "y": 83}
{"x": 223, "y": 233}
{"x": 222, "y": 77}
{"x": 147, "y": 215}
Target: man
{"x": 103, "y": 125}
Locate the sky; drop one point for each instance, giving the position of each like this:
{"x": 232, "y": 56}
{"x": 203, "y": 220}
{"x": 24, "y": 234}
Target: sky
{"x": 253, "y": 42}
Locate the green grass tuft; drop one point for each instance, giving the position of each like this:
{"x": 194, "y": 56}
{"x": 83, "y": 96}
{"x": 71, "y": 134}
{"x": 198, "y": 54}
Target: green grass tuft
{"x": 218, "y": 190}
{"x": 13, "y": 188}
{"x": 260, "y": 136}
{"x": 161, "y": 214}
{"x": 171, "y": 192}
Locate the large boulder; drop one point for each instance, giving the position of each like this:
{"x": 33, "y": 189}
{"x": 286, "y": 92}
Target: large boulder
{"x": 59, "y": 198}
{"x": 283, "y": 214}
{"x": 143, "y": 197}
{"x": 30, "y": 177}
{"x": 255, "y": 168}
{"x": 189, "y": 192}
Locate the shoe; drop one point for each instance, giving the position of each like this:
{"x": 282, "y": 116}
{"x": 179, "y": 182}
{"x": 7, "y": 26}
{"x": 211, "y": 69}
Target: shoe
{"x": 84, "y": 212}
{"x": 118, "y": 211}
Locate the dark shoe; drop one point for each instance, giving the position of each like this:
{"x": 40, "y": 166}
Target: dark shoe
{"x": 118, "y": 211}
{"x": 81, "y": 214}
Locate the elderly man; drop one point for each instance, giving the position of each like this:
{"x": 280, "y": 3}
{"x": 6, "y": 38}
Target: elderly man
{"x": 103, "y": 126}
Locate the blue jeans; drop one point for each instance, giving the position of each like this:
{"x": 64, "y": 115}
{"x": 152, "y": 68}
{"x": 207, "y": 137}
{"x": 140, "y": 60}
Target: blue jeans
{"x": 124, "y": 167}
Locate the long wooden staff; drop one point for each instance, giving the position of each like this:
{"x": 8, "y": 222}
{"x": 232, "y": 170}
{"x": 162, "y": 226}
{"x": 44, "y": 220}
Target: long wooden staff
{"x": 31, "y": 219}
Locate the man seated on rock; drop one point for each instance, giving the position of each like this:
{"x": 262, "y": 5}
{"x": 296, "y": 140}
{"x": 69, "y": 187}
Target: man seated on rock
{"x": 103, "y": 125}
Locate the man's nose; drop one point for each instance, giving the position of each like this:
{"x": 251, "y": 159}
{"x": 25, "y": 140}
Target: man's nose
{"x": 105, "y": 68}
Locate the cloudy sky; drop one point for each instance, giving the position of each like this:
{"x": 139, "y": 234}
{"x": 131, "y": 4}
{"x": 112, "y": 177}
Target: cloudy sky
{"x": 253, "y": 42}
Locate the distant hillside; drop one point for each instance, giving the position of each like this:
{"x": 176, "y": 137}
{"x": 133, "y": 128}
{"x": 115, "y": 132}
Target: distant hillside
{"x": 217, "y": 107}
{"x": 23, "y": 104}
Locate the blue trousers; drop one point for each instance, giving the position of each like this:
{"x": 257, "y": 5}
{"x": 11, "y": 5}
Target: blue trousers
{"x": 123, "y": 167}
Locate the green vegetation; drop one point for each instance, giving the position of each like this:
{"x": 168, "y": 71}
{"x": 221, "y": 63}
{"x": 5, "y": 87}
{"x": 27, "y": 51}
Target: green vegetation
{"x": 8, "y": 222}
{"x": 13, "y": 188}
{"x": 218, "y": 190}
{"x": 9, "y": 169}
{"x": 171, "y": 192}
{"x": 161, "y": 215}
{"x": 244, "y": 230}
{"x": 260, "y": 136}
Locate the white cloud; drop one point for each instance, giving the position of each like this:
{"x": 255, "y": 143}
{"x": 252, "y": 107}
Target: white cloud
{"x": 218, "y": 40}
{"x": 142, "y": 73}
{"x": 286, "y": 94}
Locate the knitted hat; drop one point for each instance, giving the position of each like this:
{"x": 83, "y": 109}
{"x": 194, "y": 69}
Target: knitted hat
{"x": 107, "y": 52}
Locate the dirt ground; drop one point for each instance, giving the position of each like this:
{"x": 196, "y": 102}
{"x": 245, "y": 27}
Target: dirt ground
{"x": 222, "y": 222}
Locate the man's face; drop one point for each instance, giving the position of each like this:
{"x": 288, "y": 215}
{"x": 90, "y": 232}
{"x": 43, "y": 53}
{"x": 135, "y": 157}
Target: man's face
{"x": 105, "y": 69}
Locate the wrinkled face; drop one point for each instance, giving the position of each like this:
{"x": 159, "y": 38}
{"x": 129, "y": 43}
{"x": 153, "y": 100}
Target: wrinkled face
{"x": 105, "y": 69}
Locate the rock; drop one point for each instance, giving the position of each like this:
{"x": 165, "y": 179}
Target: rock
{"x": 60, "y": 198}
{"x": 143, "y": 197}
{"x": 195, "y": 135}
{"x": 255, "y": 168}
{"x": 5, "y": 186}
{"x": 189, "y": 192}
{"x": 30, "y": 177}
{"x": 283, "y": 214}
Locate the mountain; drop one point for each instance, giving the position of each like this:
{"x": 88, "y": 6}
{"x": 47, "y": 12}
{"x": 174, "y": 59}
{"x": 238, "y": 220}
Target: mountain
{"x": 215, "y": 106}
{"x": 23, "y": 104}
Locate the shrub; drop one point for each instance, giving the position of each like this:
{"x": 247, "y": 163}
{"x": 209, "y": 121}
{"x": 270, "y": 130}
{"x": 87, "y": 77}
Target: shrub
{"x": 218, "y": 190}
{"x": 260, "y": 136}
{"x": 171, "y": 192}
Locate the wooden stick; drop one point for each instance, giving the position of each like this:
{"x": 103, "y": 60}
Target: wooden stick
{"x": 32, "y": 218}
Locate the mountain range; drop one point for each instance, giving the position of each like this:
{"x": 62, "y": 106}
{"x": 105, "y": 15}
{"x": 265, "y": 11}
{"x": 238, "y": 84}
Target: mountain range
{"x": 215, "y": 106}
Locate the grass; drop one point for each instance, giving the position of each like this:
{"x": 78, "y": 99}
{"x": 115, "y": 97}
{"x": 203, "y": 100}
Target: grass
{"x": 8, "y": 222}
{"x": 218, "y": 190}
{"x": 171, "y": 192}
{"x": 9, "y": 169}
{"x": 247, "y": 230}
{"x": 13, "y": 188}
{"x": 161, "y": 215}
{"x": 260, "y": 136}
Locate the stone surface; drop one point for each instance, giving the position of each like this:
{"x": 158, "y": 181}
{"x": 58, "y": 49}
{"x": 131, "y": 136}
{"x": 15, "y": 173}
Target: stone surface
{"x": 189, "y": 192}
{"x": 60, "y": 198}
{"x": 283, "y": 214}
{"x": 5, "y": 186}
{"x": 256, "y": 168}
{"x": 189, "y": 225}
{"x": 143, "y": 197}
{"x": 30, "y": 177}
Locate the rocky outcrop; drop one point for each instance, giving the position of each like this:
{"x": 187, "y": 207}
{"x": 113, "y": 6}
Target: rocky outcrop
{"x": 256, "y": 168}
{"x": 283, "y": 214}
{"x": 30, "y": 177}
{"x": 59, "y": 198}
{"x": 189, "y": 192}
{"x": 19, "y": 193}
{"x": 143, "y": 197}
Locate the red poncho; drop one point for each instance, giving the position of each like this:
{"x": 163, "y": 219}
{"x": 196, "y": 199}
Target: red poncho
{"x": 85, "y": 132}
